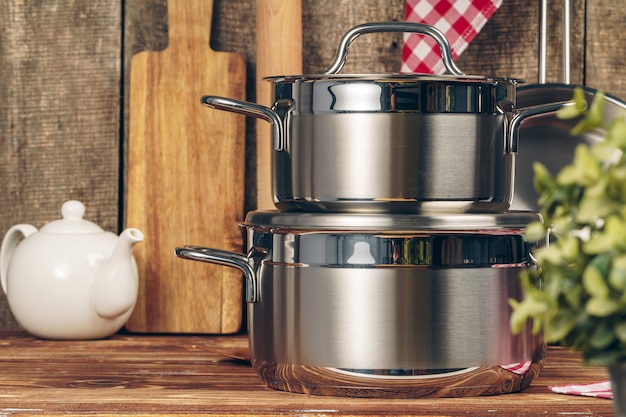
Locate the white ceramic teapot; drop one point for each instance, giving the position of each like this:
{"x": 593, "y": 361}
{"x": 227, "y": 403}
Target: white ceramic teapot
{"x": 71, "y": 279}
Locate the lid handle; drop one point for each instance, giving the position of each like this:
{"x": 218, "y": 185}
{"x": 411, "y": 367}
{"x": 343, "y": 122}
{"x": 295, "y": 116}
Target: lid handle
{"x": 434, "y": 33}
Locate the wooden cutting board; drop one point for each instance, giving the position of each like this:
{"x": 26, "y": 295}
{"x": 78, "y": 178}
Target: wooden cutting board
{"x": 186, "y": 177}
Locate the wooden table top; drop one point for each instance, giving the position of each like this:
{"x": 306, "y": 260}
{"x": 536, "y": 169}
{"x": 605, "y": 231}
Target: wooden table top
{"x": 191, "y": 375}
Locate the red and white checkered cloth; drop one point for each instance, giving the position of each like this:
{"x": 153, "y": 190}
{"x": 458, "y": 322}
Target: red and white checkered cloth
{"x": 596, "y": 389}
{"x": 600, "y": 389}
{"x": 459, "y": 20}
{"x": 518, "y": 368}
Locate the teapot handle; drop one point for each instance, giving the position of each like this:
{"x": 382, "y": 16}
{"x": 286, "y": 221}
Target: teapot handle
{"x": 11, "y": 239}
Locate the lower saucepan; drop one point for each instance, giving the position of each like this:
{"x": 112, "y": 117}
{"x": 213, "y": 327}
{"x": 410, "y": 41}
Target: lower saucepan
{"x": 385, "y": 305}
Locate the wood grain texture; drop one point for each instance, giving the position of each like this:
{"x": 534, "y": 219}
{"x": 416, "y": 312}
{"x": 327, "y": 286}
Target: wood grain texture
{"x": 278, "y": 52}
{"x": 605, "y": 53}
{"x": 232, "y": 30}
{"x": 508, "y": 45}
{"x": 185, "y": 177}
{"x": 60, "y": 79}
{"x": 62, "y": 66}
{"x": 484, "y": 380}
{"x": 325, "y": 22}
{"x": 184, "y": 375}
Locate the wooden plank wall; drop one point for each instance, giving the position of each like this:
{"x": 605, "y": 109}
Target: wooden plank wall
{"x": 64, "y": 82}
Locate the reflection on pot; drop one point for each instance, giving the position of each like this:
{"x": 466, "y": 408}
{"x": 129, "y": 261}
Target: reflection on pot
{"x": 430, "y": 300}
{"x": 391, "y": 143}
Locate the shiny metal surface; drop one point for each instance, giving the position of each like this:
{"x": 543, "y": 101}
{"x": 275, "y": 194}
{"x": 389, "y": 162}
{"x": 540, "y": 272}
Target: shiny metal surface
{"x": 502, "y": 248}
{"x": 377, "y": 318}
{"x": 428, "y": 94}
{"x": 226, "y": 258}
{"x": 400, "y": 223}
{"x": 548, "y": 139}
{"x": 392, "y": 161}
{"x": 395, "y": 162}
{"x": 412, "y": 299}
{"x": 390, "y": 143}
{"x": 432, "y": 32}
{"x": 566, "y": 41}
{"x": 250, "y": 109}
{"x": 543, "y": 40}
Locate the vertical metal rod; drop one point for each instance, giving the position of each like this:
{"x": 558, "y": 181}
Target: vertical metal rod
{"x": 543, "y": 30}
{"x": 566, "y": 41}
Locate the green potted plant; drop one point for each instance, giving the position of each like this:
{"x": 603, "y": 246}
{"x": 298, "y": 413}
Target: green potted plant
{"x": 577, "y": 293}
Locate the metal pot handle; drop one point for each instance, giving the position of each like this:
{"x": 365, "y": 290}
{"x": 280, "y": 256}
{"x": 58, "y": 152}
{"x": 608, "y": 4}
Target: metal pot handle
{"x": 252, "y": 110}
{"x": 226, "y": 258}
{"x": 515, "y": 118}
{"x": 434, "y": 33}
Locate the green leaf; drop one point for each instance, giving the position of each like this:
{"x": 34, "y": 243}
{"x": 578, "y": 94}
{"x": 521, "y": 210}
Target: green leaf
{"x": 577, "y": 293}
{"x": 604, "y": 150}
{"x": 561, "y": 225}
{"x": 556, "y": 283}
{"x": 548, "y": 255}
{"x": 594, "y": 282}
{"x": 569, "y": 175}
{"x": 598, "y": 243}
{"x": 569, "y": 248}
{"x": 615, "y": 227}
{"x": 611, "y": 238}
{"x": 594, "y": 117}
{"x": 535, "y": 232}
{"x": 601, "y": 262}
{"x": 584, "y": 169}
{"x": 601, "y": 307}
{"x": 602, "y": 336}
{"x": 620, "y": 331}
{"x": 617, "y": 183}
{"x": 560, "y": 326}
{"x": 574, "y": 297}
{"x": 520, "y": 315}
{"x": 534, "y": 306}
{"x": 616, "y": 133}
{"x": 542, "y": 179}
{"x": 594, "y": 207}
{"x": 576, "y": 108}
{"x": 596, "y": 110}
{"x": 617, "y": 273}
{"x": 599, "y": 189}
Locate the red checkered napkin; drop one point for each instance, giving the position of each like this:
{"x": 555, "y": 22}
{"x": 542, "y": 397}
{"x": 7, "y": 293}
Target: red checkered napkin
{"x": 459, "y": 20}
{"x": 518, "y": 368}
{"x": 596, "y": 389}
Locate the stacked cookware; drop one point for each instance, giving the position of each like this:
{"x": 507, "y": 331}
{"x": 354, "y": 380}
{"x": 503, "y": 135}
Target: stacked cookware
{"x": 388, "y": 266}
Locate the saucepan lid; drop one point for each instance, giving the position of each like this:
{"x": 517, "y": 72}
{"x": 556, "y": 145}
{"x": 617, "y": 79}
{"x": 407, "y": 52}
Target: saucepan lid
{"x": 454, "y": 92}
{"x": 350, "y": 222}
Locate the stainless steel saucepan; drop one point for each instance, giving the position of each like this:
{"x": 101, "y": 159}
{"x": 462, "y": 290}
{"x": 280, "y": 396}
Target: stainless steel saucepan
{"x": 382, "y": 292}
{"x": 391, "y": 143}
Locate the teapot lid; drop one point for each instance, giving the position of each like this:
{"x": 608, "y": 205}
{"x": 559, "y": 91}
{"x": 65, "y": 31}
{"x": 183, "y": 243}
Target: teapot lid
{"x": 72, "y": 221}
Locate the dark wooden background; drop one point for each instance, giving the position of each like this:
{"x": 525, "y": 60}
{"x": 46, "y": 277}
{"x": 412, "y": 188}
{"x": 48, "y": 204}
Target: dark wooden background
{"x": 64, "y": 67}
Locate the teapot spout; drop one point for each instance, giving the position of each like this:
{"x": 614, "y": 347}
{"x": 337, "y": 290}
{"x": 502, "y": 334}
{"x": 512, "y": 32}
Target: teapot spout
{"x": 115, "y": 285}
